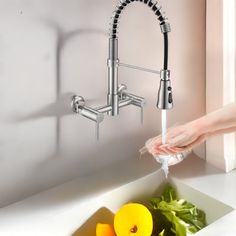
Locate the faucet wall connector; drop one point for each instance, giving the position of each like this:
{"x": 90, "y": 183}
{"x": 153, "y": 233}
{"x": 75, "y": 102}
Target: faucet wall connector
{"x": 78, "y": 106}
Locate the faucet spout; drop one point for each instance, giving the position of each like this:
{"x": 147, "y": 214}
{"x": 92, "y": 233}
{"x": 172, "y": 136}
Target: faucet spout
{"x": 165, "y": 100}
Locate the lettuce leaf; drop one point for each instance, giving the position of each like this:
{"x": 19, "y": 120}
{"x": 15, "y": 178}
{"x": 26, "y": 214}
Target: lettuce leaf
{"x": 175, "y": 217}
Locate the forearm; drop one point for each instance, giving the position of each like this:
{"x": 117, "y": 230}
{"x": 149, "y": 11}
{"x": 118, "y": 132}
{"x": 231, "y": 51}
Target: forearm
{"x": 222, "y": 131}
{"x": 218, "y": 122}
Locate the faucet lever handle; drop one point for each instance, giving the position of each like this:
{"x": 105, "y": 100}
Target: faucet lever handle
{"x": 121, "y": 90}
{"x": 139, "y": 102}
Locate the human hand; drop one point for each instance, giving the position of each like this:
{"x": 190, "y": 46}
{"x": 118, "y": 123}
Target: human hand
{"x": 184, "y": 137}
{"x": 178, "y": 139}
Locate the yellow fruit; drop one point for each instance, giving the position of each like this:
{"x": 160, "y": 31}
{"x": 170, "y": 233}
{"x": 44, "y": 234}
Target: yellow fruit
{"x": 105, "y": 230}
{"x": 133, "y": 219}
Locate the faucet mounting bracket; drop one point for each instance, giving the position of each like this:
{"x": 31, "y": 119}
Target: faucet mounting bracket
{"x": 77, "y": 103}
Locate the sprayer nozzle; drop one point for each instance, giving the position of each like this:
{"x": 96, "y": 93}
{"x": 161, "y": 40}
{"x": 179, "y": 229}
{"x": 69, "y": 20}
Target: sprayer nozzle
{"x": 165, "y": 99}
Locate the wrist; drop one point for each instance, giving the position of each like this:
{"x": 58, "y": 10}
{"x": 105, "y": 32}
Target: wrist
{"x": 201, "y": 126}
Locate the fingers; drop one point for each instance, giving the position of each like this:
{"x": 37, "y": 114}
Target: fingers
{"x": 177, "y": 149}
{"x": 165, "y": 150}
{"x": 155, "y": 151}
{"x": 178, "y": 140}
{"x": 156, "y": 147}
{"x": 151, "y": 142}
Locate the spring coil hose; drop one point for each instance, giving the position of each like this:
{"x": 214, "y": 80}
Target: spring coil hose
{"x": 164, "y": 24}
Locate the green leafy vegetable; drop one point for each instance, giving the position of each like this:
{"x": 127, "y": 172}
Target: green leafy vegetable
{"x": 175, "y": 217}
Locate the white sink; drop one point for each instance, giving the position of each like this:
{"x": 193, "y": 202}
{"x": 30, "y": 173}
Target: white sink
{"x": 75, "y": 208}
{"x": 142, "y": 189}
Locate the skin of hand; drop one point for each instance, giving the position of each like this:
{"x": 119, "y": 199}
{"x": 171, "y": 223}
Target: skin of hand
{"x": 178, "y": 139}
{"x": 184, "y": 137}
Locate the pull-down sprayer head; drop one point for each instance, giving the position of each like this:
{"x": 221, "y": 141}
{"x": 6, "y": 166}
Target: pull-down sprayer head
{"x": 164, "y": 99}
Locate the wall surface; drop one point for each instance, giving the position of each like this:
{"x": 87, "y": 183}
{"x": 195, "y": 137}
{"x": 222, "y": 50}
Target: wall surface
{"x": 220, "y": 77}
{"x": 51, "y": 49}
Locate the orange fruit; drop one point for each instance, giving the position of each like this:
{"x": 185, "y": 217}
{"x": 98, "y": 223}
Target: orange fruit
{"x": 105, "y": 230}
{"x": 133, "y": 219}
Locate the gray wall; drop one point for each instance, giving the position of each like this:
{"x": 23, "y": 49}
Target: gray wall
{"x": 51, "y": 49}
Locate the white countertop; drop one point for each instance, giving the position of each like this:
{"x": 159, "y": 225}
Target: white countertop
{"x": 207, "y": 179}
{"x": 51, "y": 213}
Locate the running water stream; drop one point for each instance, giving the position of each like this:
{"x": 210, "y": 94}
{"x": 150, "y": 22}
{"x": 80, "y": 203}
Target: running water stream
{"x": 163, "y": 125}
{"x": 164, "y": 158}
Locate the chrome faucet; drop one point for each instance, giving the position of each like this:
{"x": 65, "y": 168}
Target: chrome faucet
{"x": 117, "y": 96}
